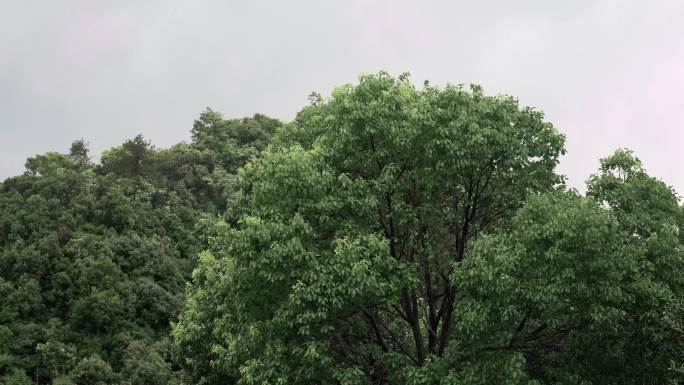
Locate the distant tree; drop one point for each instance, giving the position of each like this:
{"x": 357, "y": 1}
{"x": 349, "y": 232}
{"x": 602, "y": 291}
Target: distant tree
{"x": 138, "y": 149}
{"x": 233, "y": 141}
{"x": 50, "y": 163}
{"x": 16, "y": 377}
{"x": 79, "y": 152}
{"x": 128, "y": 159}
{"x": 94, "y": 258}
{"x": 93, "y": 370}
{"x": 207, "y": 124}
{"x": 56, "y": 358}
{"x": 143, "y": 365}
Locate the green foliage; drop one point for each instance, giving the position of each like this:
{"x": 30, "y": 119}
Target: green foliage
{"x": 129, "y": 159}
{"x": 340, "y": 269}
{"x": 555, "y": 283}
{"x": 94, "y": 257}
{"x": 144, "y": 365}
{"x": 93, "y": 371}
{"x": 388, "y": 235}
{"x": 232, "y": 142}
{"x": 16, "y": 377}
{"x": 79, "y": 152}
{"x": 649, "y": 215}
{"x": 401, "y": 236}
{"x": 87, "y": 262}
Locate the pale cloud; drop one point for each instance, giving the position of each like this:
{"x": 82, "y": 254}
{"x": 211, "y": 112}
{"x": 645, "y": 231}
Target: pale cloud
{"x": 607, "y": 73}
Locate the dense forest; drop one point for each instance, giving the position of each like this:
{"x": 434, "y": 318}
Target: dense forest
{"x": 389, "y": 234}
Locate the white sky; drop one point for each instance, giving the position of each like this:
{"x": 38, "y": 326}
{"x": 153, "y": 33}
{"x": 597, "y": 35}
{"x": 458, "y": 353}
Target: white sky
{"x": 608, "y": 73}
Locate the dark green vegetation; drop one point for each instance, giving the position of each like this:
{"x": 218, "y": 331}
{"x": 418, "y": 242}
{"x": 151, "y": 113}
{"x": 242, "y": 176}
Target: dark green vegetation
{"x": 389, "y": 235}
{"x": 94, "y": 259}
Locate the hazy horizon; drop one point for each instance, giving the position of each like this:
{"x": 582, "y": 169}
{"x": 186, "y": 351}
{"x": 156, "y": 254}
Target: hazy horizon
{"x": 607, "y": 74}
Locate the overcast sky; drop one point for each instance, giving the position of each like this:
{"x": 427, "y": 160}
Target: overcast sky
{"x": 608, "y": 74}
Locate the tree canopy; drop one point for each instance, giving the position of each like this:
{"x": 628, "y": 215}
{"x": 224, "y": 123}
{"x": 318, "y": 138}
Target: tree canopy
{"x": 94, "y": 258}
{"x": 389, "y": 234}
{"x": 394, "y": 235}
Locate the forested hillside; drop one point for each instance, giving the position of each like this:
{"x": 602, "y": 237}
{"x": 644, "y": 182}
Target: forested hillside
{"x": 388, "y": 235}
{"x": 94, "y": 258}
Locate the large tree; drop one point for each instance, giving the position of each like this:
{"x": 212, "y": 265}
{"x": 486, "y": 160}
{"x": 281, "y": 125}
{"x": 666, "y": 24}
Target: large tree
{"x": 342, "y": 268}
